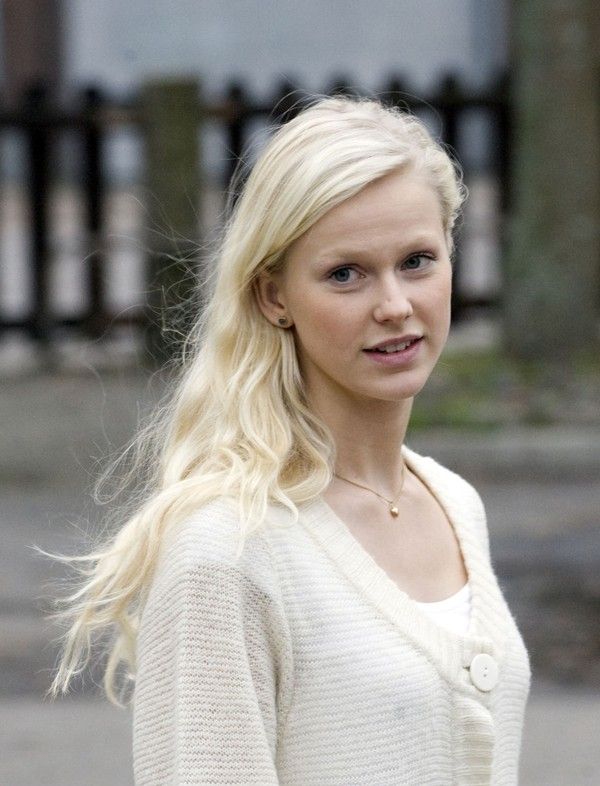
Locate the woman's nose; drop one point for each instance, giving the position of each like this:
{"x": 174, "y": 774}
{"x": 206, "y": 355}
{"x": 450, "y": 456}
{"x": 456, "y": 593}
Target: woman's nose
{"x": 393, "y": 303}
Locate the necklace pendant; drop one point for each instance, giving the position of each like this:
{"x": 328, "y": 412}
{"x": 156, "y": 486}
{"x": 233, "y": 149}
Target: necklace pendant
{"x": 394, "y": 510}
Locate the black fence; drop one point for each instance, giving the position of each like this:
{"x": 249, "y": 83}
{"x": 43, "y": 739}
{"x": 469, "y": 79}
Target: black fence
{"x": 40, "y": 123}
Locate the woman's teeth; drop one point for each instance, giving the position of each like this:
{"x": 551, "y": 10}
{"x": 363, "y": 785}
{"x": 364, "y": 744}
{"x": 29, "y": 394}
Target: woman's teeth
{"x": 395, "y": 347}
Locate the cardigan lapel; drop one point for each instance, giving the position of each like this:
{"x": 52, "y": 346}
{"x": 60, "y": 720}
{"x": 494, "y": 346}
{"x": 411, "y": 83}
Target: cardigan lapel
{"x": 490, "y": 617}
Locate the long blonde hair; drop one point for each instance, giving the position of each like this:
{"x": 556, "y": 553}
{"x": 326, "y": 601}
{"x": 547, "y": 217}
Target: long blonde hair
{"x": 237, "y": 422}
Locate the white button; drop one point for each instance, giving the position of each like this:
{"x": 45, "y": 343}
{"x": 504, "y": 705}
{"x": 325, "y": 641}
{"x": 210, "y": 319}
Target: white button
{"x": 484, "y": 672}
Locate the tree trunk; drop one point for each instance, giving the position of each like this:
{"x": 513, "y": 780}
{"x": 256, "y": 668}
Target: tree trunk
{"x": 32, "y": 35}
{"x": 552, "y": 269}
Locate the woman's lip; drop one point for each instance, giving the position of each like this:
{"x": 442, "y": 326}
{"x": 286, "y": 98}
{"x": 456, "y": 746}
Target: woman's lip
{"x": 395, "y": 358}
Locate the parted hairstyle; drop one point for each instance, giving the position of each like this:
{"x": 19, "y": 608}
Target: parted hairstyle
{"x": 237, "y": 421}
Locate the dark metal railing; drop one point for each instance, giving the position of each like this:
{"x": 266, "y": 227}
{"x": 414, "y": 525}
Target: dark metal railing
{"x": 41, "y": 123}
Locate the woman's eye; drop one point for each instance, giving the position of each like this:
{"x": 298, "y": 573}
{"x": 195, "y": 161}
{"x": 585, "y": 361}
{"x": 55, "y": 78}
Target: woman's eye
{"x": 343, "y": 275}
{"x": 417, "y": 262}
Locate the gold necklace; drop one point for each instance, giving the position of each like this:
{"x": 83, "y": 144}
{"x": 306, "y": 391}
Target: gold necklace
{"x": 392, "y": 504}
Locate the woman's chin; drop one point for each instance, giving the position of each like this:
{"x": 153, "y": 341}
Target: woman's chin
{"x": 395, "y": 395}
{"x": 408, "y": 388}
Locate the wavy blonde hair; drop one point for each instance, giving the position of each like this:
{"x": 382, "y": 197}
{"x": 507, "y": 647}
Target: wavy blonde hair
{"x": 237, "y": 422}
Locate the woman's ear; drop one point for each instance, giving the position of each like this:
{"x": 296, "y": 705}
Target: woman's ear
{"x": 271, "y": 299}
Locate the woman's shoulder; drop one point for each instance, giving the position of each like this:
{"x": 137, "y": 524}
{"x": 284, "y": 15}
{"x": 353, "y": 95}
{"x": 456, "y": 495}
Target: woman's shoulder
{"x": 459, "y": 496}
{"x": 210, "y": 534}
{"x": 431, "y": 470}
{"x": 199, "y": 580}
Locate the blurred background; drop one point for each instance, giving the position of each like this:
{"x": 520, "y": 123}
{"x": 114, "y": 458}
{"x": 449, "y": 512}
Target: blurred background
{"x": 120, "y": 127}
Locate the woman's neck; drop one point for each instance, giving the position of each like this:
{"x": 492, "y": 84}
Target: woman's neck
{"x": 368, "y": 437}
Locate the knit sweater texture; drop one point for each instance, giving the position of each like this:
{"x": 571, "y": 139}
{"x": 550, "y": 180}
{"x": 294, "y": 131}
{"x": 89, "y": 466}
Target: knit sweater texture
{"x": 304, "y": 664}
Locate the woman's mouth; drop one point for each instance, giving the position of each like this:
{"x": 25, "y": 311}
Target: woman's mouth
{"x": 396, "y": 354}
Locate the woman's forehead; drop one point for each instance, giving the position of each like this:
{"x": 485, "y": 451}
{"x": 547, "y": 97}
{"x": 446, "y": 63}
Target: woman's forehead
{"x": 403, "y": 205}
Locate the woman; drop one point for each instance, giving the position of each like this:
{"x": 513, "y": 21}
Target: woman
{"x": 301, "y": 598}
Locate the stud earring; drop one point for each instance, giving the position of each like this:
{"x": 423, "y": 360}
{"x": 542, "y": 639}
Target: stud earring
{"x": 282, "y": 320}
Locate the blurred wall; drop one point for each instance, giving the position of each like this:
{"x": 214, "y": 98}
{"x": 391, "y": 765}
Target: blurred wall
{"x": 119, "y": 43}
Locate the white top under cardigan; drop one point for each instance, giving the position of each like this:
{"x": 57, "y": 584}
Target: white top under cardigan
{"x": 453, "y": 613}
{"x": 306, "y": 665}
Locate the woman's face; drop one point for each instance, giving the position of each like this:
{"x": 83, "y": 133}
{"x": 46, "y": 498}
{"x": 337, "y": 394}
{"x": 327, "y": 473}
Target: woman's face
{"x": 367, "y": 292}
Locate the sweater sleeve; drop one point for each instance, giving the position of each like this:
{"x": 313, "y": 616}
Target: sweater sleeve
{"x": 214, "y": 667}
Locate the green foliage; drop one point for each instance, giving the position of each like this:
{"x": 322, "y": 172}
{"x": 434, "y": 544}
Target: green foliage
{"x": 487, "y": 390}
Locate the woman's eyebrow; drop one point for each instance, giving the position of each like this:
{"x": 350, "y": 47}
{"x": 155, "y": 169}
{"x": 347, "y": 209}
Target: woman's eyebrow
{"x": 345, "y": 253}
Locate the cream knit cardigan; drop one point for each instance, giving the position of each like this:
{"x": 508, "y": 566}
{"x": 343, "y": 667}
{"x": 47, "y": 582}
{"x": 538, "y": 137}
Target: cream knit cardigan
{"x": 304, "y": 664}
